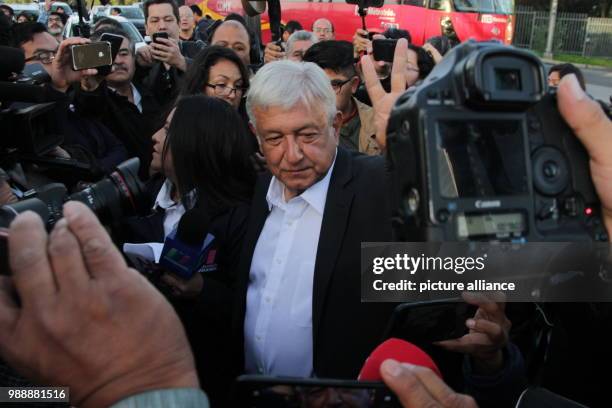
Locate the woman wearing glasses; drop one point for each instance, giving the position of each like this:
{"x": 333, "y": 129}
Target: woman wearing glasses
{"x": 219, "y": 72}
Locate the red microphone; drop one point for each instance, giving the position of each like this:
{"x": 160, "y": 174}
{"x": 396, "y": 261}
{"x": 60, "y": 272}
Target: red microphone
{"x": 399, "y": 350}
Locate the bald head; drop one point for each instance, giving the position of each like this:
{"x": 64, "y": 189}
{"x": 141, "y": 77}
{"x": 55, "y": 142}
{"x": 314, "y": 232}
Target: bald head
{"x": 232, "y": 34}
{"x": 323, "y": 29}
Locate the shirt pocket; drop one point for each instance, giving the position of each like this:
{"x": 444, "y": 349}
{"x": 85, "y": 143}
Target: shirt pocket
{"x": 301, "y": 304}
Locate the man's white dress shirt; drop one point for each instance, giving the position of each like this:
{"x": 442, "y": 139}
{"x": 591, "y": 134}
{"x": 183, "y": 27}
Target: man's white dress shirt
{"x": 278, "y": 321}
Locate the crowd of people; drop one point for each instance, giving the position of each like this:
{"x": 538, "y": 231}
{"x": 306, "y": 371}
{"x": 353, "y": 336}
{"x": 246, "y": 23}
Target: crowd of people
{"x": 279, "y": 150}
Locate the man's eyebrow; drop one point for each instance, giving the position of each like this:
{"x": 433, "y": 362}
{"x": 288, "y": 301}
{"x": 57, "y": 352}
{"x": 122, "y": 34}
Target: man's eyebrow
{"x": 307, "y": 127}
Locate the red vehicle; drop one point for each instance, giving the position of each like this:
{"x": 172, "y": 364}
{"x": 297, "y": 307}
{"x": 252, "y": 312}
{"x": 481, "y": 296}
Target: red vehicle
{"x": 477, "y": 19}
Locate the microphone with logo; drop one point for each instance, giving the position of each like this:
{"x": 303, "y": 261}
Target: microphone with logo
{"x": 191, "y": 249}
{"x": 398, "y": 350}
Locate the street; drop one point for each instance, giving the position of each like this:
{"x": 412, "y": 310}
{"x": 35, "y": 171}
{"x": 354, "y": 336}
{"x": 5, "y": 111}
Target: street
{"x": 599, "y": 83}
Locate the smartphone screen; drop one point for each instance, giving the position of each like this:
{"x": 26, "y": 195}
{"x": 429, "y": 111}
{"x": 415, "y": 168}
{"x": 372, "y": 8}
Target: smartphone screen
{"x": 260, "y": 392}
{"x": 91, "y": 55}
{"x": 384, "y": 49}
{"x": 161, "y": 34}
{"x": 423, "y": 323}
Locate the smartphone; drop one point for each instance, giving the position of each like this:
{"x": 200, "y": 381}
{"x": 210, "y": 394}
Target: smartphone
{"x": 384, "y": 50}
{"x": 423, "y": 323}
{"x": 92, "y": 55}
{"x": 255, "y": 391}
{"x": 115, "y": 43}
{"x": 161, "y": 34}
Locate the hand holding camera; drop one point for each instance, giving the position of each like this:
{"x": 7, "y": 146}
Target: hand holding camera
{"x": 75, "y": 279}
{"x": 589, "y": 122}
{"x": 361, "y": 42}
{"x": 273, "y": 52}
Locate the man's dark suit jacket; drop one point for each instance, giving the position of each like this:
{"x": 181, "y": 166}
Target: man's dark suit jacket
{"x": 345, "y": 330}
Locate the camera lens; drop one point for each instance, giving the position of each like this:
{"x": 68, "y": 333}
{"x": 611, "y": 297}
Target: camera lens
{"x": 508, "y": 79}
{"x": 119, "y": 195}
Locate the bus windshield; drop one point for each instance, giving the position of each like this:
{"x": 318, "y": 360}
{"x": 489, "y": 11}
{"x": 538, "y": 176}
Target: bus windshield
{"x": 485, "y": 6}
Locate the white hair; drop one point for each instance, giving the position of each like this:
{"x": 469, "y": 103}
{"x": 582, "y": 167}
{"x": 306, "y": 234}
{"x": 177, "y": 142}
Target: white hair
{"x": 287, "y": 84}
{"x": 301, "y": 35}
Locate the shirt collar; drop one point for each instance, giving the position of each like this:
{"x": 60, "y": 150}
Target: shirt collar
{"x": 315, "y": 195}
{"x": 135, "y": 94}
{"x": 137, "y": 97}
{"x": 164, "y": 197}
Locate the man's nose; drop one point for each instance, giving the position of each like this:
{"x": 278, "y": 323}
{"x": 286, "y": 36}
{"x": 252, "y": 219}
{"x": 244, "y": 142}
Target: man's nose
{"x": 293, "y": 153}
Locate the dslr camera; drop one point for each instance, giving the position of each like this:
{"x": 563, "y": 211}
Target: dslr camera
{"x": 120, "y": 194}
{"x": 479, "y": 152}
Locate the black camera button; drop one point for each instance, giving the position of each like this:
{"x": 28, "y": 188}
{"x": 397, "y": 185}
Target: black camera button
{"x": 550, "y": 171}
{"x": 570, "y": 206}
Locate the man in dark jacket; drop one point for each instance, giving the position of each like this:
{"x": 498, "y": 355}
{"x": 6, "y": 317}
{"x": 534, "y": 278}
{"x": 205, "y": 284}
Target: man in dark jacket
{"x": 162, "y": 63}
{"x": 85, "y": 139}
{"x": 131, "y": 110}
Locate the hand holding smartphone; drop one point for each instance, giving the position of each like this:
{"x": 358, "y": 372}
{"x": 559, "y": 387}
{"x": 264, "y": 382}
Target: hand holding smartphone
{"x": 384, "y": 49}
{"x": 157, "y": 36}
{"x": 91, "y": 55}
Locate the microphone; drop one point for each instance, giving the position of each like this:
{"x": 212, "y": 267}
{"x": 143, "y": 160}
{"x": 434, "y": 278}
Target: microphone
{"x": 399, "y": 350}
{"x": 191, "y": 249}
{"x": 13, "y": 60}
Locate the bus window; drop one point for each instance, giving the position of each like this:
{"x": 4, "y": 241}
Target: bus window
{"x": 443, "y": 5}
{"x": 417, "y": 3}
{"x": 485, "y": 6}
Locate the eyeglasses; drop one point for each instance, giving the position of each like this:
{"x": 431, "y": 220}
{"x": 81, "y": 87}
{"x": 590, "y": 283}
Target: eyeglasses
{"x": 46, "y": 57}
{"x": 54, "y": 20}
{"x": 224, "y": 90}
{"x": 322, "y": 30}
{"x": 338, "y": 84}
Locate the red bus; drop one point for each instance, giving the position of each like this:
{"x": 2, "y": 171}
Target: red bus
{"x": 477, "y": 19}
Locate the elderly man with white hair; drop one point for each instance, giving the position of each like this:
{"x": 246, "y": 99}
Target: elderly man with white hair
{"x": 295, "y": 48}
{"x": 299, "y": 273}
{"x": 298, "y": 43}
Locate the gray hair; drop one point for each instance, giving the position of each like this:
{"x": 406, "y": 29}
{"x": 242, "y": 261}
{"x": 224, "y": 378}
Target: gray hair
{"x": 287, "y": 84}
{"x": 301, "y": 35}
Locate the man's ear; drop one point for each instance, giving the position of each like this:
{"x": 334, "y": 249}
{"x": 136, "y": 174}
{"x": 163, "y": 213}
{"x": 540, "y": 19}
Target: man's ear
{"x": 355, "y": 84}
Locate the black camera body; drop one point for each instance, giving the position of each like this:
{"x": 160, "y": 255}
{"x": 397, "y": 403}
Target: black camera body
{"x": 479, "y": 152}
{"x": 120, "y": 194}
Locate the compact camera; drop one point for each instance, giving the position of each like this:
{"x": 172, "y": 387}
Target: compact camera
{"x": 480, "y": 152}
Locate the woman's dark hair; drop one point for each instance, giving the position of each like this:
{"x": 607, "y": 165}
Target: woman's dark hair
{"x": 210, "y": 153}
{"x": 197, "y": 75}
